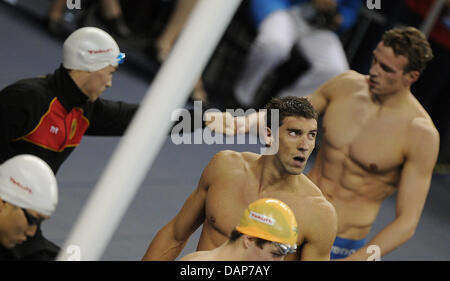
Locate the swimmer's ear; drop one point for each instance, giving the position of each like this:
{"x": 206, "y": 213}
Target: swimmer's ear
{"x": 412, "y": 77}
{"x": 2, "y": 204}
{"x": 247, "y": 241}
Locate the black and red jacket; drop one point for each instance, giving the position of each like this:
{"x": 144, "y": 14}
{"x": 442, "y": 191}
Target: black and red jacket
{"x": 48, "y": 117}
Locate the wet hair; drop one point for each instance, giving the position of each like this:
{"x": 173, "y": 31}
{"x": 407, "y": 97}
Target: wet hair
{"x": 235, "y": 235}
{"x": 290, "y": 106}
{"x": 411, "y": 43}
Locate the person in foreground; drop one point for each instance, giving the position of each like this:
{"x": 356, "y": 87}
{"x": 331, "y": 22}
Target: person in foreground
{"x": 232, "y": 180}
{"x": 28, "y": 196}
{"x": 267, "y": 231}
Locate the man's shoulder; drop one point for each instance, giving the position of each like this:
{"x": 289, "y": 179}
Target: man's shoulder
{"x": 229, "y": 162}
{"x": 321, "y": 206}
{"x": 309, "y": 187}
{"x": 421, "y": 129}
{"x": 420, "y": 123}
{"x": 321, "y": 214}
{"x": 27, "y": 83}
{"x": 351, "y": 76}
{"x": 31, "y": 88}
{"x": 196, "y": 256}
{"x": 314, "y": 197}
{"x": 345, "y": 83}
{"x": 231, "y": 156}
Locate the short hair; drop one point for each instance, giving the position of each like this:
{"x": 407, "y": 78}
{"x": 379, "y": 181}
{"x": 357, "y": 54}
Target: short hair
{"x": 235, "y": 235}
{"x": 290, "y": 106}
{"x": 411, "y": 43}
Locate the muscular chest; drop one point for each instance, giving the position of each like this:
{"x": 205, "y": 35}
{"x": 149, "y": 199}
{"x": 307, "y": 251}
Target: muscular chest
{"x": 365, "y": 134}
{"x": 227, "y": 201}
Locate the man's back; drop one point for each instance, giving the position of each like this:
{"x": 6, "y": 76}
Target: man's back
{"x": 364, "y": 148}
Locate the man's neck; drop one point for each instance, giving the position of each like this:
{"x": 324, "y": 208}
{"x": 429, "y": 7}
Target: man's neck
{"x": 272, "y": 173}
{"x": 394, "y": 100}
{"x": 229, "y": 251}
{"x": 79, "y": 78}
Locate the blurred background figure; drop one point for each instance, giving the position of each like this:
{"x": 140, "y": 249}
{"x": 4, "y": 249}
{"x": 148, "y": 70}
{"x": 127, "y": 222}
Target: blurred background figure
{"x": 164, "y": 43}
{"x": 110, "y": 13}
{"x": 289, "y": 27}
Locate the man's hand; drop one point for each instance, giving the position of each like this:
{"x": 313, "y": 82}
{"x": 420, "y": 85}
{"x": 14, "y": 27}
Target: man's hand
{"x": 225, "y": 123}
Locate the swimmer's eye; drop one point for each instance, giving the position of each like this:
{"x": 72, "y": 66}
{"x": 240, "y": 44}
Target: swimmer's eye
{"x": 312, "y": 135}
{"x": 386, "y": 68}
{"x": 294, "y": 133}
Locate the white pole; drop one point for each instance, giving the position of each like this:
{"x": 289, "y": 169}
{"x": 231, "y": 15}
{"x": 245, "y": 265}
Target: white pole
{"x": 148, "y": 131}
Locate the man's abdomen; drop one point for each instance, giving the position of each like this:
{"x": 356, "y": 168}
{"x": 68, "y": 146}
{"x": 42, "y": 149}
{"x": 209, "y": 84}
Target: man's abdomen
{"x": 355, "y": 194}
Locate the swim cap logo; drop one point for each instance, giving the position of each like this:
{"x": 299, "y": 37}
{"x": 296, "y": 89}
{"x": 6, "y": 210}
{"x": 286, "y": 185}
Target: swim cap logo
{"x": 261, "y": 218}
{"x": 73, "y": 128}
{"x": 16, "y": 183}
{"x": 100, "y": 51}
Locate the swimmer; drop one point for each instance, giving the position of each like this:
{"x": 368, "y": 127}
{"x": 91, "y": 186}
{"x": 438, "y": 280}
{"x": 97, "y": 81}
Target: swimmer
{"x": 28, "y": 196}
{"x": 232, "y": 180}
{"x": 267, "y": 231}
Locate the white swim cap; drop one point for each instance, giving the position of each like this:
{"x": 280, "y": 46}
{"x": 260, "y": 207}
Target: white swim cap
{"x": 91, "y": 49}
{"x": 26, "y": 181}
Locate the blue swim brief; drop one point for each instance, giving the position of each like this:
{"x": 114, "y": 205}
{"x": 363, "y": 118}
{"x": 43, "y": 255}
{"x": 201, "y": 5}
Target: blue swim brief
{"x": 345, "y": 247}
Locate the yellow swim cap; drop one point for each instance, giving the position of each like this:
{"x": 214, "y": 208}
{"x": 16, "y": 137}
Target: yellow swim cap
{"x": 270, "y": 219}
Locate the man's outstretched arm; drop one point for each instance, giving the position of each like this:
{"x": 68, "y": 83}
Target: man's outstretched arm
{"x": 172, "y": 238}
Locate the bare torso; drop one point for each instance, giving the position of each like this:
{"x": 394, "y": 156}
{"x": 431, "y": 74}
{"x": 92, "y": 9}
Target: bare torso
{"x": 360, "y": 159}
{"x": 238, "y": 186}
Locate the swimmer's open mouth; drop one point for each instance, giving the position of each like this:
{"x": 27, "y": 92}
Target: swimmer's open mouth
{"x": 300, "y": 158}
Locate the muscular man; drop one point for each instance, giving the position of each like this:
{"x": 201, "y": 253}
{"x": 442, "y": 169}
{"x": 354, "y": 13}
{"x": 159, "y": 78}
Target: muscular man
{"x": 28, "y": 196}
{"x": 267, "y": 231}
{"x": 377, "y": 140}
{"x": 232, "y": 180}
